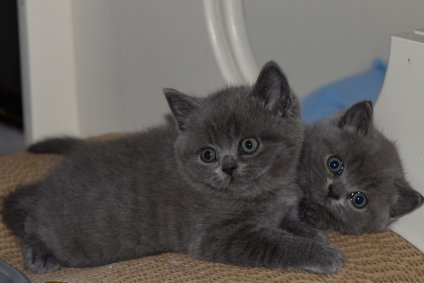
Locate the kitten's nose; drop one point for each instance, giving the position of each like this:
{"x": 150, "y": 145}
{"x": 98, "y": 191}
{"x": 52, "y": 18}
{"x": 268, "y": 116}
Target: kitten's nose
{"x": 229, "y": 168}
{"x": 228, "y": 164}
{"x": 331, "y": 193}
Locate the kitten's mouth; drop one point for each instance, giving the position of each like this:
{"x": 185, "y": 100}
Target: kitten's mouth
{"x": 234, "y": 182}
{"x": 231, "y": 182}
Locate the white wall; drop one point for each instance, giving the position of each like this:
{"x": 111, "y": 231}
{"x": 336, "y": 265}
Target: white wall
{"x": 317, "y": 42}
{"x": 48, "y": 68}
{"x": 100, "y": 91}
{"x": 98, "y": 66}
{"x": 164, "y": 44}
{"x": 128, "y": 51}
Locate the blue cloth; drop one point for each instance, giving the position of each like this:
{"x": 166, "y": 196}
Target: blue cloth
{"x": 330, "y": 99}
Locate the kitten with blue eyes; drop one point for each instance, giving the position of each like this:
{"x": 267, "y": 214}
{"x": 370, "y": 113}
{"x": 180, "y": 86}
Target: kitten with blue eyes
{"x": 219, "y": 187}
{"x": 352, "y": 175}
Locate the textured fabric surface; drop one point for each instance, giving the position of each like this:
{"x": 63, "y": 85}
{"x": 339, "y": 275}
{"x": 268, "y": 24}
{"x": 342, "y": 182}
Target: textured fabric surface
{"x": 382, "y": 257}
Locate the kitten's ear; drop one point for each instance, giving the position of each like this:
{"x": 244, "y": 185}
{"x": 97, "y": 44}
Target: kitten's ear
{"x": 273, "y": 89}
{"x": 181, "y": 105}
{"x": 408, "y": 199}
{"x": 358, "y": 118}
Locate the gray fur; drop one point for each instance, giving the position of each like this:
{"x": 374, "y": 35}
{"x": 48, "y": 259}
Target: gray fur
{"x": 150, "y": 192}
{"x": 371, "y": 166}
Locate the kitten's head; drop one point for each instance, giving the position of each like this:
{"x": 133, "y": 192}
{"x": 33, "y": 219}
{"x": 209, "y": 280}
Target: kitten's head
{"x": 240, "y": 140}
{"x": 355, "y": 173}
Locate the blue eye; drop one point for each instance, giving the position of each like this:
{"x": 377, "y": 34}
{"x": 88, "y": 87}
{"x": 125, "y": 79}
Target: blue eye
{"x": 358, "y": 199}
{"x": 249, "y": 145}
{"x": 208, "y": 155}
{"x": 335, "y": 165}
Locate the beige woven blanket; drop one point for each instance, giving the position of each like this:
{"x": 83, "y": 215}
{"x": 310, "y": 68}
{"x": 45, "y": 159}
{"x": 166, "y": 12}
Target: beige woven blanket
{"x": 382, "y": 257}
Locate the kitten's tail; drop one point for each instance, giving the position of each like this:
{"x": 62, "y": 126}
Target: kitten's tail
{"x": 59, "y": 145}
{"x": 17, "y": 206}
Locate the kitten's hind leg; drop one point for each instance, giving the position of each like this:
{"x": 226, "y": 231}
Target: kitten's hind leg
{"x": 17, "y": 206}
{"x": 37, "y": 257}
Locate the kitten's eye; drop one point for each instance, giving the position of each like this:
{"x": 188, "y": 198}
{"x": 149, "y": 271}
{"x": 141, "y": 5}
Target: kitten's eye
{"x": 358, "y": 199}
{"x": 335, "y": 165}
{"x": 249, "y": 145}
{"x": 208, "y": 155}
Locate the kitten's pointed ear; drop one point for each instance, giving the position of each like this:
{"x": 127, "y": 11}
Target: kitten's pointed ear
{"x": 181, "y": 105}
{"x": 273, "y": 89}
{"x": 407, "y": 201}
{"x": 358, "y": 118}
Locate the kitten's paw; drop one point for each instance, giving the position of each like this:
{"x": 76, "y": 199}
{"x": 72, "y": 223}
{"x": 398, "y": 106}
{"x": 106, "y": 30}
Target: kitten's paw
{"x": 37, "y": 259}
{"x": 321, "y": 236}
{"x": 312, "y": 214}
{"x": 40, "y": 263}
{"x": 325, "y": 259}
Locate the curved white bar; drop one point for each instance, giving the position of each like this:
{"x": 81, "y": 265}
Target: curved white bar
{"x": 399, "y": 114}
{"x": 419, "y": 31}
{"x": 236, "y": 28}
{"x": 220, "y": 46}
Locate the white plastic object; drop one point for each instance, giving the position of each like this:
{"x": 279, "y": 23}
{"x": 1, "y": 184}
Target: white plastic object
{"x": 230, "y": 44}
{"x": 236, "y": 28}
{"x": 48, "y": 68}
{"x": 219, "y": 42}
{"x": 399, "y": 113}
{"x": 419, "y": 31}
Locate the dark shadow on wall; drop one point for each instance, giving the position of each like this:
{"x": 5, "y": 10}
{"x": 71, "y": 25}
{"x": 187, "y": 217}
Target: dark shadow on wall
{"x": 11, "y": 116}
{"x": 10, "y": 78}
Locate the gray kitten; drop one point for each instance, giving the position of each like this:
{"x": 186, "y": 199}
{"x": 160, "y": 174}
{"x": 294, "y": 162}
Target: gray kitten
{"x": 220, "y": 188}
{"x": 352, "y": 175}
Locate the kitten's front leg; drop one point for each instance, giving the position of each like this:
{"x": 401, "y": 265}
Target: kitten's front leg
{"x": 313, "y": 214}
{"x": 299, "y": 228}
{"x": 250, "y": 245}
